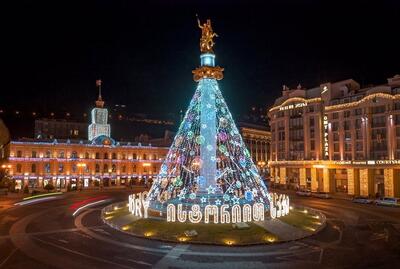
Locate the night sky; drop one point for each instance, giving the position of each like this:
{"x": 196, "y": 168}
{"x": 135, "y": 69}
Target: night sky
{"x": 54, "y": 51}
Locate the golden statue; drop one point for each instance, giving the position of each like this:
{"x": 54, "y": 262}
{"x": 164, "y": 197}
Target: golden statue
{"x": 207, "y": 35}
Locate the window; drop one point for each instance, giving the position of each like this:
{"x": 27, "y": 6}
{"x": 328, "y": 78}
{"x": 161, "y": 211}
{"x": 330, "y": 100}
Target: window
{"x": 312, "y": 122}
{"x": 134, "y": 168}
{"x": 123, "y": 156}
{"x": 48, "y": 154}
{"x": 19, "y": 154}
{"x": 347, "y": 125}
{"x": 378, "y": 109}
{"x": 335, "y": 115}
{"x": 134, "y": 156}
{"x": 335, "y": 126}
{"x": 357, "y": 111}
{"x": 154, "y": 169}
{"x": 74, "y": 155}
{"x": 97, "y": 155}
{"x": 397, "y": 106}
{"x": 61, "y": 155}
{"x": 144, "y": 157}
{"x": 105, "y": 168}
{"x": 19, "y": 168}
{"x": 113, "y": 168}
{"x": 114, "y": 155}
{"x": 312, "y": 144}
{"x": 33, "y": 154}
{"x": 124, "y": 169}
{"x": 97, "y": 168}
{"x": 359, "y": 146}
{"x": 33, "y": 168}
{"x": 106, "y": 155}
{"x": 74, "y": 168}
{"x": 60, "y": 168}
{"x": 346, "y": 113}
{"x": 47, "y": 167}
{"x": 358, "y": 123}
{"x": 336, "y": 147}
{"x": 87, "y": 155}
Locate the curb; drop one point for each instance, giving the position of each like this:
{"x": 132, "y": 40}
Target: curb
{"x": 322, "y": 217}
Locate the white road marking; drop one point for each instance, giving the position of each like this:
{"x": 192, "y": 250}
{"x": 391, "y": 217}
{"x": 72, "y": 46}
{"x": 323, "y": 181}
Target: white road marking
{"x": 8, "y": 257}
{"x": 170, "y": 259}
{"x": 134, "y": 261}
{"x": 83, "y": 254}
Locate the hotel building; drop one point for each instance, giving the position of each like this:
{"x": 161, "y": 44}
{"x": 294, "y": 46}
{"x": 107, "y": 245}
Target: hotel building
{"x": 74, "y": 163}
{"x": 338, "y": 137}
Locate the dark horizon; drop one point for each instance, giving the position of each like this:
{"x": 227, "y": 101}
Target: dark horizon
{"x": 145, "y": 53}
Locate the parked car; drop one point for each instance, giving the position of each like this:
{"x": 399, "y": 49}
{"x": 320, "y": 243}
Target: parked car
{"x": 321, "y": 194}
{"x": 388, "y": 201}
{"x": 362, "y": 200}
{"x": 303, "y": 193}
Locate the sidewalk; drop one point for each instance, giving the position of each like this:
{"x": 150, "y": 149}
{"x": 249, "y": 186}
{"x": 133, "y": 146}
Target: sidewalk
{"x": 339, "y": 196}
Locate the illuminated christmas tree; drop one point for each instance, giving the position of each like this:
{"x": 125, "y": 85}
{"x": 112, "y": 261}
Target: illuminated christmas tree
{"x": 208, "y": 162}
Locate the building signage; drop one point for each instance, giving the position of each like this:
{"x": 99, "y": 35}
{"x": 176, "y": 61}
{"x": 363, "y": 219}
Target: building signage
{"x": 298, "y": 105}
{"x": 368, "y": 162}
{"x": 326, "y": 141}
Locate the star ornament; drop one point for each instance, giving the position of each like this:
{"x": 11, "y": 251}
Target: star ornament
{"x": 203, "y": 199}
{"x": 218, "y": 202}
{"x": 235, "y": 200}
{"x": 211, "y": 189}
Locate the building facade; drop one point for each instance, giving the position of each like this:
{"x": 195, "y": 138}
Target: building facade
{"x": 258, "y": 141}
{"x": 77, "y": 163}
{"x": 338, "y": 137}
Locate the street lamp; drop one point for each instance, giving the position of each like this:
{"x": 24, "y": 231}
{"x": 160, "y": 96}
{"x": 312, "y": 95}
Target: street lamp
{"x": 4, "y": 179}
{"x": 81, "y": 166}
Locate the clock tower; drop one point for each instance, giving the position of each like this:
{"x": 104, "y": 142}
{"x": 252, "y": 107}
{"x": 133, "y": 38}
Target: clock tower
{"x": 99, "y": 125}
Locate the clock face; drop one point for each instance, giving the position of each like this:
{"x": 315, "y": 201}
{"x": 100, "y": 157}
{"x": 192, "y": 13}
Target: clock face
{"x": 101, "y": 116}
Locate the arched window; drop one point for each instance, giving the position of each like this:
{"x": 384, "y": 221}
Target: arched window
{"x": 154, "y": 156}
{"x": 144, "y": 157}
{"x": 48, "y": 154}
{"x": 106, "y": 155}
{"x": 114, "y": 156}
{"x": 134, "y": 156}
{"x": 105, "y": 168}
{"x": 113, "y": 168}
{"x": 87, "y": 155}
{"x": 61, "y": 155}
{"x": 74, "y": 155}
{"x": 97, "y": 155}
{"x": 19, "y": 168}
{"x": 47, "y": 167}
{"x": 33, "y": 168}
{"x": 19, "y": 154}
{"x": 97, "y": 168}
{"x": 123, "y": 156}
{"x": 60, "y": 168}
{"x": 33, "y": 154}
{"x": 134, "y": 168}
{"x": 74, "y": 168}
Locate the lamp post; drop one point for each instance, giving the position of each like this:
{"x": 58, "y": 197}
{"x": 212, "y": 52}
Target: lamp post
{"x": 81, "y": 166}
{"x": 4, "y": 178}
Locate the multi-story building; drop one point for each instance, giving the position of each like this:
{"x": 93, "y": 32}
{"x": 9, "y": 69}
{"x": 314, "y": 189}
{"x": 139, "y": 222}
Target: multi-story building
{"x": 257, "y": 139}
{"x": 338, "y": 137}
{"x": 73, "y": 163}
{"x": 60, "y": 128}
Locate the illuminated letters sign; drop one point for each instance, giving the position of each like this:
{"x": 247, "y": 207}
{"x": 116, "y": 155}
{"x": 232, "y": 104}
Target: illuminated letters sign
{"x": 138, "y": 205}
{"x": 298, "y": 105}
{"x": 279, "y": 207}
{"x": 326, "y": 142}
